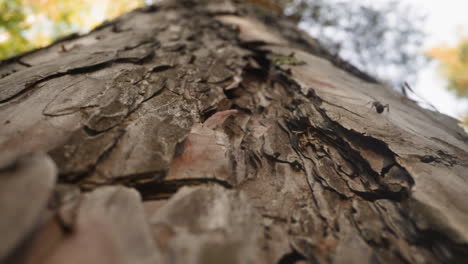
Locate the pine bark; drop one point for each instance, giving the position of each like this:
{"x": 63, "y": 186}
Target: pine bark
{"x": 215, "y": 132}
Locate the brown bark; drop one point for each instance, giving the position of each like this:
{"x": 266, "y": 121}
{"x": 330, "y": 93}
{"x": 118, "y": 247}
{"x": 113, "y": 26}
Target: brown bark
{"x": 211, "y": 132}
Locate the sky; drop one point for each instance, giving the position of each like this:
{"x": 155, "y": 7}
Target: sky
{"x": 446, "y": 21}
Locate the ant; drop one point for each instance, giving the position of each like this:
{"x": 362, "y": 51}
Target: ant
{"x": 379, "y": 107}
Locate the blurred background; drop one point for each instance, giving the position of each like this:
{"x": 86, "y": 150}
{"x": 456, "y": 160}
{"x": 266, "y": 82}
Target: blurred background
{"x": 421, "y": 43}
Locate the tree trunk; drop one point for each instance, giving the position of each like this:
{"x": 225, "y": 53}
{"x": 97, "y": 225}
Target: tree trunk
{"x": 214, "y": 132}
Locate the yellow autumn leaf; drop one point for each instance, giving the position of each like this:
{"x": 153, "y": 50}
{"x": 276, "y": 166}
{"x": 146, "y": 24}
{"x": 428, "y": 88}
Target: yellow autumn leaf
{"x": 454, "y": 65}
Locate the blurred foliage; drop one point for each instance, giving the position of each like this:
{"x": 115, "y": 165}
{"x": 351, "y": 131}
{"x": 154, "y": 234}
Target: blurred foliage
{"x": 464, "y": 123}
{"x": 12, "y": 24}
{"x": 28, "y": 24}
{"x": 454, "y": 65}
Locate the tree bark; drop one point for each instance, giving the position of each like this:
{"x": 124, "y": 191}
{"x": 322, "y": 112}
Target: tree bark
{"x": 214, "y": 132}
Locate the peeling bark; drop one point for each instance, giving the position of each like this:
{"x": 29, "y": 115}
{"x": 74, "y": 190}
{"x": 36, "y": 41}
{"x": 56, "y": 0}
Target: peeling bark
{"x": 238, "y": 140}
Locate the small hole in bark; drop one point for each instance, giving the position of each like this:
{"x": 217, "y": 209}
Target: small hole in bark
{"x": 160, "y": 68}
{"x": 179, "y": 148}
{"x": 90, "y": 132}
{"x": 241, "y": 109}
{"x": 207, "y": 114}
{"x": 296, "y": 166}
{"x": 291, "y": 258}
{"x": 386, "y": 169}
{"x": 427, "y": 159}
{"x": 232, "y": 93}
{"x": 259, "y": 75}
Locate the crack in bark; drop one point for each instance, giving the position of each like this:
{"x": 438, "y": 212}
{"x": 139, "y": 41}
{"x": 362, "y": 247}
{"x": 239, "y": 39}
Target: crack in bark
{"x": 277, "y": 75}
{"x": 83, "y": 69}
{"x": 156, "y": 190}
{"x": 332, "y": 132}
{"x": 92, "y": 133}
{"x": 80, "y": 179}
{"x": 23, "y": 63}
{"x": 336, "y": 128}
{"x": 341, "y": 107}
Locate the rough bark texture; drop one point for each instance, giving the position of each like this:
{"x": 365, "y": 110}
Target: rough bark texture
{"x": 213, "y": 132}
